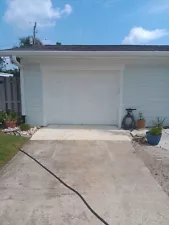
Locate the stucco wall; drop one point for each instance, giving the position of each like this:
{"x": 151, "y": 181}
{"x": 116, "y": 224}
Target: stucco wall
{"x": 33, "y": 97}
{"x": 147, "y": 90}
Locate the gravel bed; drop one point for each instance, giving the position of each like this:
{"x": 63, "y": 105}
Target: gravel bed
{"x": 157, "y": 160}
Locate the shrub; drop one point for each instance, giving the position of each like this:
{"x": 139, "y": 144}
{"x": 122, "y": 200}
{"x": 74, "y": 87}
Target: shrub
{"x": 156, "y": 130}
{"x": 159, "y": 122}
{"x": 11, "y": 116}
{"x": 25, "y": 127}
{"x": 141, "y": 116}
{"x": 2, "y": 116}
{"x": 158, "y": 126}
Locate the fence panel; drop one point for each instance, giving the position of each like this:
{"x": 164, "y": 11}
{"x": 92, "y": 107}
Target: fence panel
{"x": 2, "y": 94}
{"x": 10, "y": 94}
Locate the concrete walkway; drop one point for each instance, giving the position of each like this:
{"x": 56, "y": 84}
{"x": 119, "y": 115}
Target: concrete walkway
{"x": 92, "y": 133}
{"x": 108, "y": 174}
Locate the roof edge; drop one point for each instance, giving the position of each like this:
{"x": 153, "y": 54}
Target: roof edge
{"x": 82, "y": 53}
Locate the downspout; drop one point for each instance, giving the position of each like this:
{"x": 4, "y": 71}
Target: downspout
{"x": 15, "y": 61}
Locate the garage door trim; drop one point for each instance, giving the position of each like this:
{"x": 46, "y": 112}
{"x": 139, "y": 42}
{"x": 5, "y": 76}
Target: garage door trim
{"x": 119, "y": 97}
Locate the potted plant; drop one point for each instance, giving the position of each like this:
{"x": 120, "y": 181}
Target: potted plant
{"x": 10, "y": 120}
{"x": 155, "y": 133}
{"x": 141, "y": 123}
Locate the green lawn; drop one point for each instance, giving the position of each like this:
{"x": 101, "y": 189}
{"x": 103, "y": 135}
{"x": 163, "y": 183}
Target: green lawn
{"x": 9, "y": 146}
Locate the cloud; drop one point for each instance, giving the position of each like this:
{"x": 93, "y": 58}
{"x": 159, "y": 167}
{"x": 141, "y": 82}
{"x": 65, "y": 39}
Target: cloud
{"x": 139, "y": 35}
{"x": 21, "y": 13}
{"x": 158, "y": 6}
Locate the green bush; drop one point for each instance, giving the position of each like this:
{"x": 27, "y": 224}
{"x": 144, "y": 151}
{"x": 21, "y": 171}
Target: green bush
{"x": 25, "y": 127}
{"x": 157, "y": 126}
{"x": 156, "y": 130}
{"x": 2, "y": 116}
{"x": 141, "y": 116}
{"x": 159, "y": 122}
{"x": 11, "y": 116}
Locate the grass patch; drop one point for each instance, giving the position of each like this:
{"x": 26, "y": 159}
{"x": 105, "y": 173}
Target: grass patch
{"x": 9, "y": 146}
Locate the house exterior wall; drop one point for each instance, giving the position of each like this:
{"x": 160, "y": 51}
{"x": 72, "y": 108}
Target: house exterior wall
{"x": 143, "y": 84}
{"x": 33, "y": 76}
{"x": 146, "y": 88}
{"x": 32, "y": 101}
{"x": 53, "y": 63}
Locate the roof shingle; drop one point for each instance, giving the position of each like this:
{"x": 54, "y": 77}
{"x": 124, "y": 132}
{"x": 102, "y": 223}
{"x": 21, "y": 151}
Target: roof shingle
{"x": 94, "y": 48}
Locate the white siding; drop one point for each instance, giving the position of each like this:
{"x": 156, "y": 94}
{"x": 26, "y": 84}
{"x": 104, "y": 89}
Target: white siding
{"x": 33, "y": 98}
{"x": 147, "y": 90}
{"x": 145, "y": 87}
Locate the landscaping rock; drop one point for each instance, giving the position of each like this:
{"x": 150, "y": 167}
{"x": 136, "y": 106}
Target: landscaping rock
{"x": 17, "y": 131}
{"x": 33, "y": 130}
{"x": 8, "y": 130}
{"x": 139, "y": 133}
{"x": 164, "y": 143}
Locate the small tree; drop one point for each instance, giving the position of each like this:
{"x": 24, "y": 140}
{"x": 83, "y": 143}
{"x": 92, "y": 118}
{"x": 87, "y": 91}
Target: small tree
{"x": 28, "y": 41}
{"x": 2, "y": 64}
{"x": 58, "y": 43}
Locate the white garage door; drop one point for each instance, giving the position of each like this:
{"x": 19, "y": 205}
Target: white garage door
{"x": 81, "y": 97}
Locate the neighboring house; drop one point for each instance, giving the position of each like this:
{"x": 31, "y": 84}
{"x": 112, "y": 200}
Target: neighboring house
{"x": 5, "y": 74}
{"x": 92, "y": 84}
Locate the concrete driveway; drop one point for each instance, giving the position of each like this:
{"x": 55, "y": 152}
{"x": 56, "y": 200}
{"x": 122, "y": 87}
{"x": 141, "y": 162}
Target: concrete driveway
{"x": 107, "y": 173}
{"x": 81, "y": 132}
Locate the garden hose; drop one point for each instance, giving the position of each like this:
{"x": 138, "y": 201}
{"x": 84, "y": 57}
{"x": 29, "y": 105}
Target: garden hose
{"x": 67, "y": 186}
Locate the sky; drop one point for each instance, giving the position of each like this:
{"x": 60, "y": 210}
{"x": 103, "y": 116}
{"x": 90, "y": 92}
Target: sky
{"x": 85, "y": 21}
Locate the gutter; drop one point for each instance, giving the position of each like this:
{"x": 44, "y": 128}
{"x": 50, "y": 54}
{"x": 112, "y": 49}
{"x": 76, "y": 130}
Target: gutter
{"x": 15, "y": 61}
{"x": 84, "y": 53}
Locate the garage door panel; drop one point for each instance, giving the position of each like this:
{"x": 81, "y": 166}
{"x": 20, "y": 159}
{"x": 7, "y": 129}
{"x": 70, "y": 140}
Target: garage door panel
{"x": 82, "y": 97}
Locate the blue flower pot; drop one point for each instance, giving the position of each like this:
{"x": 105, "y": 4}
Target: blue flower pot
{"x": 153, "y": 139}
